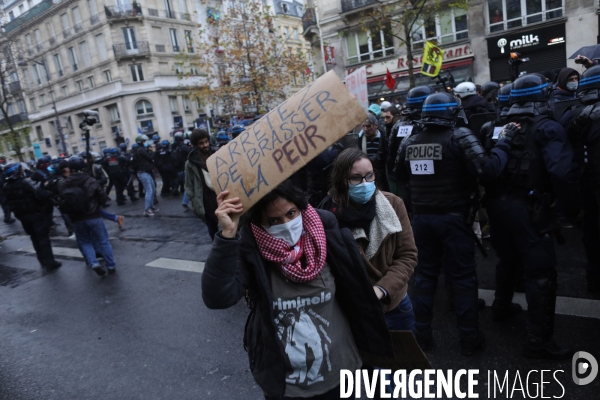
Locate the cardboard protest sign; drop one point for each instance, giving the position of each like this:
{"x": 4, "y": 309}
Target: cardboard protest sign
{"x": 284, "y": 140}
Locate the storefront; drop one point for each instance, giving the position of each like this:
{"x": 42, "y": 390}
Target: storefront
{"x": 545, "y": 47}
{"x": 457, "y": 61}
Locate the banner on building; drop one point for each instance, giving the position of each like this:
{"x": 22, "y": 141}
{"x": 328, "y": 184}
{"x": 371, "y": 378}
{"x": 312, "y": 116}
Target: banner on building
{"x": 329, "y": 55}
{"x": 270, "y": 150}
{"x": 432, "y": 60}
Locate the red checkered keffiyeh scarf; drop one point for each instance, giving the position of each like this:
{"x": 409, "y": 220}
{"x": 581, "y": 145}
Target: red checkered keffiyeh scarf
{"x": 312, "y": 246}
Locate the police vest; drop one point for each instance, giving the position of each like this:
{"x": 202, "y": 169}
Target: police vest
{"x": 439, "y": 181}
{"x": 113, "y": 165}
{"x": 525, "y": 170}
{"x": 22, "y": 198}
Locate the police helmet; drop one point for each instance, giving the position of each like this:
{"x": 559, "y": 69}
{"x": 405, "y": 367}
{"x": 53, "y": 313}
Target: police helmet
{"x": 134, "y": 146}
{"x": 589, "y": 85}
{"x": 417, "y": 95}
{"x": 96, "y": 156}
{"x": 76, "y": 163}
{"x": 488, "y": 88}
{"x": 164, "y": 143}
{"x": 178, "y": 136}
{"x": 504, "y": 94}
{"x": 123, "y": 146}
{"x": 465, "y": 89}
{"x": 531, "y": 87}
{"x": 43, "y": 162}
{"x": 106, "y": 150}
{"x": 155, "y": 137}
{"x": 236, "y": 130}
{"x": 31, "y": 164}
{"x": 12, "y": 171}
{"x": 141, "y": 139}
{"x": 441, "y": 109}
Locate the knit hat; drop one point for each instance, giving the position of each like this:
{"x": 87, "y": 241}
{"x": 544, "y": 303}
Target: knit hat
{"x": 375, "y": 109}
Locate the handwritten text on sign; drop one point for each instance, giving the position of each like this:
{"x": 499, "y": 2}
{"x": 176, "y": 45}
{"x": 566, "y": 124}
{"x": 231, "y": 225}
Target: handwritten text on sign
{"x": 356, "y": 82}
{"x": 284, "y": 140}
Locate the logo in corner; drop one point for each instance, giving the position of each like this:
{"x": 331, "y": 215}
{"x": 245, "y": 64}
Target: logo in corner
{"x": 584, "y": 363}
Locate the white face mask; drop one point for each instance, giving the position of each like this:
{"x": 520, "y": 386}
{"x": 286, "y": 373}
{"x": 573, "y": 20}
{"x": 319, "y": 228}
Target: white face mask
{"x": 289, "y": 232}
{"x": 572, "y": 86}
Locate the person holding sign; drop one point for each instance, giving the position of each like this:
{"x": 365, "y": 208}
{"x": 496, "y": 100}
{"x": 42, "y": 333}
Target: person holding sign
{"x": 313, "y": 310}
{"x": 380, "y": 225}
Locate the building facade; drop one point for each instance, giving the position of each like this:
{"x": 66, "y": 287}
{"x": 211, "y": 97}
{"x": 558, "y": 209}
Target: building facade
{"x": 121, "y": 60}
{"x": 477, "y": 41}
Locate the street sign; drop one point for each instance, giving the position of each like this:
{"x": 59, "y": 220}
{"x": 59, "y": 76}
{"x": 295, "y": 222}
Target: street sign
{"x": 356, "y": 82}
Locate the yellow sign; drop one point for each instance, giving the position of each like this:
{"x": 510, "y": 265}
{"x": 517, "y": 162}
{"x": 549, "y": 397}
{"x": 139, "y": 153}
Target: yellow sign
{"x": 432, "y": 60}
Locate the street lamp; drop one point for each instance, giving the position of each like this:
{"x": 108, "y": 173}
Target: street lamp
{"x": 57, "y": 121}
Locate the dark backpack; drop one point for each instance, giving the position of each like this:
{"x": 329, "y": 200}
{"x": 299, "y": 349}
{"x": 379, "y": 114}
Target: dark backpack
{"x": 177, "y": 157}
{"x": 73, "y": 201}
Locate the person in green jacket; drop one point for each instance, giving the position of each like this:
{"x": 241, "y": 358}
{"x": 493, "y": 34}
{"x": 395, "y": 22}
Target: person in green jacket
{"x": 198, "y": 185}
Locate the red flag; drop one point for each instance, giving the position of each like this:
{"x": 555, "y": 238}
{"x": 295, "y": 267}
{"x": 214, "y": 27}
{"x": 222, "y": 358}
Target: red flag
{"x": 390, "y": 82}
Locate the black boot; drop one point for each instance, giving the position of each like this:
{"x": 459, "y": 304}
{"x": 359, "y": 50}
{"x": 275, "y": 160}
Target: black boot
{"x": 541, "y": 302}
{"x": 502, "y": 311}
{"x": 470, "y": 345}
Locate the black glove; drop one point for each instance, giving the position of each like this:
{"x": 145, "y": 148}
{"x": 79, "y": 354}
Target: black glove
{"x": 508, "y": 133}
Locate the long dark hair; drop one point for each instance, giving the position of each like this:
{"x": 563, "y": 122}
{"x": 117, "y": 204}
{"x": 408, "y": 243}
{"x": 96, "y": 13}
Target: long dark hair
{"x": 339, "y": 175}
{"x": 286, "y": 190}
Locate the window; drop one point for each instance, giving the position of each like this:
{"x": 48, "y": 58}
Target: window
{"x": 506, "y": 14}
{"x": 143, "y": 107}
{"x": 114, "y": 113}
{"x": 178, "y": 68}
{"x": 51, "y": 32}
{"x": 70, "y": 125}
{"x": 189, "y": 41}
{"x": 43, "y": 99}
{"x": 93, "y": 11}
{"x": 186, "y": 105}
{"x": 194, "y": 70}
{"x": 447, "y": 27}
{"x": 296, "y": 33}
{"x": 129, "y": 37}
{"x": 52, "y": 95}
{"x": 107, "y": 75}
{"x": 32, "y": 103}
{"x": 102, "y": 145}
{"x": 91, "y": 81}
{"x": 174, "y": 43}
{"x": 58, "y": 64}
{"x": 65, "y": 91}
{"x": 29, "y": 43}
{"x": 26, "y": 77}
{"x": 75, "y": 150}
{"x": 72, "y": 58}
{"x": 39, "y": 133}
{"x": 173, "y": 104}
{"x": 66, "y": 25}
{"x": 286, "y": 32}
{"x": 77, "y": 19}
{"x": 37, "y": 74}
{"x": 79, "y": 86}
{"x": 137, "y": 74}
{"x": 101, "y": 46}
{"x": 38, "y": 40}
{"x": 85, "y": 54}
{"x": 99, "y": 120}
{"x": 11, "y": 14}
{"x": 362, "y": 47}
{"x": 21, "y": 104}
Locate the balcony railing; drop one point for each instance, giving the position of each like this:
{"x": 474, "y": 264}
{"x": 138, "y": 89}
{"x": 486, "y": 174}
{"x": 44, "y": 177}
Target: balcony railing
{"x": 52, "y": 41}
{"x": 30, "y": 52}
{"x": 15, "y": 119}
{"x": 39, "y": 47}
{"x": 170, "y": 14}
{"x": 131, "y": 50}
{"x": 153, "y": 12}
{"x": 78, "y": 27}
{"x": 67, "y": 33}
{"x": 186, "y": 16}
{"x": 176, "y": 49}
{"x": 126, "y": 11}
{"x": 94, "y": 19}
{"x": 160, "y": 48}
{"x": 349, "y": 5}
{"x": 14, "y": 87}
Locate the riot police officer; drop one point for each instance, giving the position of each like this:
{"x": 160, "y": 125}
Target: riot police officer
{"x": 164, "y": 163}
{"x": 518, "y": 204}
{"x": 442, "y": 164}
{"x": 583, "y": 127}
{"x": 28, "y": 202}
{"x": 491, "y": 130}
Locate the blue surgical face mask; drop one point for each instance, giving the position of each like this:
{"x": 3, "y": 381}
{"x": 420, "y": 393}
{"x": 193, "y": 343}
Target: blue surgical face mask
{"x": 146, "y": 144}
{"x": 362, "y": 192}
{"x": 572, "y": 86}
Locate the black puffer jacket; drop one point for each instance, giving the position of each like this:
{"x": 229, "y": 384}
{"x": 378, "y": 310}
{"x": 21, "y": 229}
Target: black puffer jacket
{"x": 235, "y": 265}
{"x": 96, "y": 195}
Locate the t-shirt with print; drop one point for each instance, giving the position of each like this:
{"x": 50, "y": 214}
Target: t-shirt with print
{"x": 314, "y": 333}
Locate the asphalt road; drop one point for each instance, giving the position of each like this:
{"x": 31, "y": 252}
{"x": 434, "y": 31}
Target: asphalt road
{"x": 144, "y": 333}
